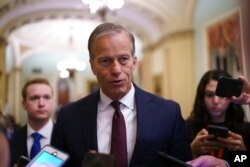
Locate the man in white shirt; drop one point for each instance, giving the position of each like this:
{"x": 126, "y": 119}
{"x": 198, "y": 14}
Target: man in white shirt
{"x": 37, "y": 101}
{"x": 119, "y": 119}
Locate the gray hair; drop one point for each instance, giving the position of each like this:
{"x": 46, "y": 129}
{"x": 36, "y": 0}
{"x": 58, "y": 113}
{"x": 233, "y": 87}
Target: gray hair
{"x": 108, "y": 28}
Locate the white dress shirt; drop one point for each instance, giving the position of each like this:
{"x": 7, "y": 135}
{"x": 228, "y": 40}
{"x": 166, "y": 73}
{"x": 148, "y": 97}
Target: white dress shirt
{"x": 104, "y": 121}
{"x": 45, "y": 131}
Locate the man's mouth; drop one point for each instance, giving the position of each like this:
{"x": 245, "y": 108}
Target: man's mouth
{"x": 117, "y": 82}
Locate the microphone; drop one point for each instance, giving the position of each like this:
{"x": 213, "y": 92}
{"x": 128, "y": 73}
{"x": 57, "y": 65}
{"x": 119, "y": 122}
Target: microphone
{"x": 172, "y": 161}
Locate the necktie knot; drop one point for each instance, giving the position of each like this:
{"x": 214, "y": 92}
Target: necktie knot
{"x": 36, "y": 136}
{"x": 116, "y": 105}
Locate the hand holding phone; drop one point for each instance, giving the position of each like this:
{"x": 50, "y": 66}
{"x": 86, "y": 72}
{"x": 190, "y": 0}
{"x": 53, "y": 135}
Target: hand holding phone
{"x": 49, "y": 156}
{"x": 22, "y": 161}
{"x": 218, "y": 131}
{"x": 228, "y": 87}
{"x": 98, "y": 159}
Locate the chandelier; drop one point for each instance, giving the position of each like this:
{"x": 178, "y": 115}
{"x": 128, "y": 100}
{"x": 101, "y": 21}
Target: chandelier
{"x": 102, "y": 6}
{"x": 67, "y": 66}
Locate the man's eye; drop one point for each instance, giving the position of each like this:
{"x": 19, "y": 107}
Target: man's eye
{"x": 105, "y": 61}
{"x": 47, "y": 97}
{"x": 32, "y": 98}
{"x": 124, "y": 60}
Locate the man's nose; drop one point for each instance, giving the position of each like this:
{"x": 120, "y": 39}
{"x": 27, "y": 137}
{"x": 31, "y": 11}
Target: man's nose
{"x": 41, "y": 101}
{"x": 116, "y": 67}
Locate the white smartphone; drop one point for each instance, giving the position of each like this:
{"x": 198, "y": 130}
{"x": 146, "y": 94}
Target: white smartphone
{"x": 49, "y": 156}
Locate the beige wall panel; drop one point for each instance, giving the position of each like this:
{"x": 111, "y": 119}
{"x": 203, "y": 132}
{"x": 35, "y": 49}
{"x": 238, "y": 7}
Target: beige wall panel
{"x": 179, "y": 74}
{"x": 146, "y": 72}
{"x": 171, "y": 60}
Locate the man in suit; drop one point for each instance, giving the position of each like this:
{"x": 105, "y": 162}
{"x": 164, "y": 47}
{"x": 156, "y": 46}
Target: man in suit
{"x": 37, "y": 101}
{"x": 152, "y": 123}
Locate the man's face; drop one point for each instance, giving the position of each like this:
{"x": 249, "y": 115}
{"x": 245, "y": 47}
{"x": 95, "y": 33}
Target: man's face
{"x": 38, "y": 102}
{"x": 113, "y": 64}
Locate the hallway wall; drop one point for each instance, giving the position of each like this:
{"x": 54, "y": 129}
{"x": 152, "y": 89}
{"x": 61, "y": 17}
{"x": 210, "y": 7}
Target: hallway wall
{"x": 207, "y": 11}
{"x": 169, "y": 69}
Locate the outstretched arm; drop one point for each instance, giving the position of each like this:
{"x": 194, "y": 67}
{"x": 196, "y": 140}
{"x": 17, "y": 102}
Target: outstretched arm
{"x": 244, "y": 98}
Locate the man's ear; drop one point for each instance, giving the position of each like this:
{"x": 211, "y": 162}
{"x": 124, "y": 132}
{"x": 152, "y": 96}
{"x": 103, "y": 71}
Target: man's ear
{"x": 134, "y": 62}
{"x": 23, "y": 104}
{"x": 92, "y": 66}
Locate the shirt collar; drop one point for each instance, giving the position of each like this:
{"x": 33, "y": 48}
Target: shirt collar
{"x": 44, "y": 131}
{"x": 128, "y": 100}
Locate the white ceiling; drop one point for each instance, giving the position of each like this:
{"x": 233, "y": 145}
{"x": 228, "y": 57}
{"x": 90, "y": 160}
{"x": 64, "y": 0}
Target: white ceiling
{"x": 61, "y": 27}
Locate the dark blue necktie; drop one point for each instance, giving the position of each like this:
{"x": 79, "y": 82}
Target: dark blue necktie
{"x": 36, "y": 147}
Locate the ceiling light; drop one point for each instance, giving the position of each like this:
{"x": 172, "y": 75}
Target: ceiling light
{"x": 71, "y": 65}
{"x": 64, "y": 74}
{"x": 101, "y": 6}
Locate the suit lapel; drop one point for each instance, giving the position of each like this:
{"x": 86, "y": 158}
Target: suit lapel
{"x": 21, "y": 143}
{"x": 24, "y": 142}
{"x": 89, "y": 122}
{"x": 144, "y": 124}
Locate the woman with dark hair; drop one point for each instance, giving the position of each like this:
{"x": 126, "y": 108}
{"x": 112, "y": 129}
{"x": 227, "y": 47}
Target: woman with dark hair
{"x": 211, "y": 109}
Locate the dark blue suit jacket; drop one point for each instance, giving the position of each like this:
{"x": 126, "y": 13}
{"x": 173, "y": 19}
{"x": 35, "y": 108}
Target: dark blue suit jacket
{"x": 18, "y": 145}
{"x": 160, "y": 127}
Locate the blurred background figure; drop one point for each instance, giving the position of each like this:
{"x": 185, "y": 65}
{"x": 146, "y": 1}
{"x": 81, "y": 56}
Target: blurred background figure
{"x": 11, "y": 126}
{"x": 4, "y": 150}
{"x": 4, "y": 144}
{"x": 37, "y": 101}
{"x": 211, "y": 109}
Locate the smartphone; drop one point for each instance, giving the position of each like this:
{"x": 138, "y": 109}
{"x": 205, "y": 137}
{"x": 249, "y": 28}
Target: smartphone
{"x": 172, "y": 161}
{"x": 49, "y": 156}
{"x": 228, "y": 87}
{"x": 98, "y": 159}
{"x": 22, "y": 161}
{"x": 218, "y": 131}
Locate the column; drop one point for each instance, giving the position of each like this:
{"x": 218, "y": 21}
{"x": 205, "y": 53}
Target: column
{"x": 3, "y": 45}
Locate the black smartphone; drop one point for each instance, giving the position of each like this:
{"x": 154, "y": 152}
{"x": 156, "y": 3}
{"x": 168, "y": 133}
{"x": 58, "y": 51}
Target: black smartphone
{"x": 228, "y": 87}
{"x": 22, "y": 161}
{"x": 218, "y": 131}
{"x": 172, "y": 161}
{"x": 98, "y": 159}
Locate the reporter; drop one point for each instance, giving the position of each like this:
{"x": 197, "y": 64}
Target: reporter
{"x": 211, "y": 109}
